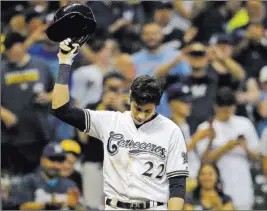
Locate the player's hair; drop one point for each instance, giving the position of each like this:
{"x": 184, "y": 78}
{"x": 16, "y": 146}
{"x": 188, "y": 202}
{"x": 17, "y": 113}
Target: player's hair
{"x": 218, "y": 185}
{"x": 146, "y": 89}
{"x": 225, "y": 97}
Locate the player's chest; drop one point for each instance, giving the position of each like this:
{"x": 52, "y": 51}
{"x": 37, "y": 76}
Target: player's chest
{"x": 136, "y": 144}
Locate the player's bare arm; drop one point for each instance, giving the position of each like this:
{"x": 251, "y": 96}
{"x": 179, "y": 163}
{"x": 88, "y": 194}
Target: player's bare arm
{"x": 175, "y": 203}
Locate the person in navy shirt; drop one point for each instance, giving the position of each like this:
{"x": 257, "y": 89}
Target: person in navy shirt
{"x": 45, "y": 188}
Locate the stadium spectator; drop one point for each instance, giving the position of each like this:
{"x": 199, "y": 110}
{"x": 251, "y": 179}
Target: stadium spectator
{"x": 111, "y": 20}
{"x": 180, "y": 99}
{"x": 229, "y": 72}
{"x": 203, "y": 83}
{"x": 73, "y": 151}
{"x": 26, "y": 95}
{"x": 45, "y": 188}
{"x": 209, "y": 194}
{"x": 250, "y": 50}
{"x": 209, "y": 18}
{"x": 88, "y": 80}
{"x": 153, "y": 55}
{"x": 232, "y": 147}
{"x": 262, "y": 106}
{"x": 183, "y": 11}
{"x": 33, "y": 20}
{"x": 255, "y": 11}
{"x": 127, "y": 29}
{"x": 18, "y": 24}
{"x": 164, "y": 16}
{"x": 122, "y": 62}
{"x": 263, "y": 150}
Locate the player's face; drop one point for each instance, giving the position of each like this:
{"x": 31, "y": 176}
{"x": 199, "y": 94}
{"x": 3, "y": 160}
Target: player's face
{"x": 208, "y": 177}
{"x": 68, "y": 165}
{"x": 180, "y": 108}
{"x": 140, "y": 114}
{"x": 152, "y": 36}
{"x": 223, "y": 113}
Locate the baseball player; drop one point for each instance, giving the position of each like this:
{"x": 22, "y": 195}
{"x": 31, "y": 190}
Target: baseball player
{"x": 145, "y": 158}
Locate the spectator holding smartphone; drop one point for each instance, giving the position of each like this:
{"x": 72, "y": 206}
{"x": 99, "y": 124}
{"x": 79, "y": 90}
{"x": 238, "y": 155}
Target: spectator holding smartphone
{"x": 232, "y": 147}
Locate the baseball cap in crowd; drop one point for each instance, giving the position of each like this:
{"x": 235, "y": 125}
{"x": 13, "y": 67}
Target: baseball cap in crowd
{"x": 221, "y": 39}
{"x": 12, "y": 38}
{"x": 225, "y": 97}
{"x": 179, "y": 91}
{"x": 164, "y": 5}
{"x": 71, "y": 146}
{"x": 263, "y": 75}
{"x": 54, "y": 152}
{"x": 197, "y": 50}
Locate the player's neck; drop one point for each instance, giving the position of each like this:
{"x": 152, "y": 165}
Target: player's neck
{"x": 178, "y": 119}
{"x": 150, "y": 119}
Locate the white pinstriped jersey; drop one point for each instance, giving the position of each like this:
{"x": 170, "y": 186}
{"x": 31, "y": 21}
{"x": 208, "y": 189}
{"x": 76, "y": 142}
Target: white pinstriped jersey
{"x": 138, "y": 162}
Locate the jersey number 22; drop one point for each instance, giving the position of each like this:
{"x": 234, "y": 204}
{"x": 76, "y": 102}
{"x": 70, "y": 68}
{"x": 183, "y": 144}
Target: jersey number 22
{"x": 149, "y": 173}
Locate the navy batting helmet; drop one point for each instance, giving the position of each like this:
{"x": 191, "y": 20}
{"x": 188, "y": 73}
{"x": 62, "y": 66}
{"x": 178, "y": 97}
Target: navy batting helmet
{"x": 75, "y": 21}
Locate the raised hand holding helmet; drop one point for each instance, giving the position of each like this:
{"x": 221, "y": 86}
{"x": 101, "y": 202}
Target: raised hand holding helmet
{"x": 68, "y": 50}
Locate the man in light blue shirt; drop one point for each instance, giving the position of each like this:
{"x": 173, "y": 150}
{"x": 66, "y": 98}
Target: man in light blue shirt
{"x": 155, "y": 54}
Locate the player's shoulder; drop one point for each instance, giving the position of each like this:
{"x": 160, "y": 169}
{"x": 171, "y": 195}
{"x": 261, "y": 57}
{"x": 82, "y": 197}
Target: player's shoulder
{"x": 167, "y": 124}
{"x": 104, "y": 113}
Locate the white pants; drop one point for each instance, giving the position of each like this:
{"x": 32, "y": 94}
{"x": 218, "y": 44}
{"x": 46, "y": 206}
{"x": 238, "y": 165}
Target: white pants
{"x": 93, "y": 185}
{"x": 162, "y": 207}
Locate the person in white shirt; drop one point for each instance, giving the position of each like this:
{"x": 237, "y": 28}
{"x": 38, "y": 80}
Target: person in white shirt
{"x": 263, "y": 150}
{"x": 232, "y": 146}
{"x": 88, "y": 80}
{"x": 180, "y": 98}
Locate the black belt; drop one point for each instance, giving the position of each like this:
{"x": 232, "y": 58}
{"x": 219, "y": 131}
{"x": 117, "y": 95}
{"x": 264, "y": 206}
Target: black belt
{"x": 132, "y": 206}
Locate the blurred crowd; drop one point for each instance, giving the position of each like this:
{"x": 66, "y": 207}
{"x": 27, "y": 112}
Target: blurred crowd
{"x": 213, "y": 59}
